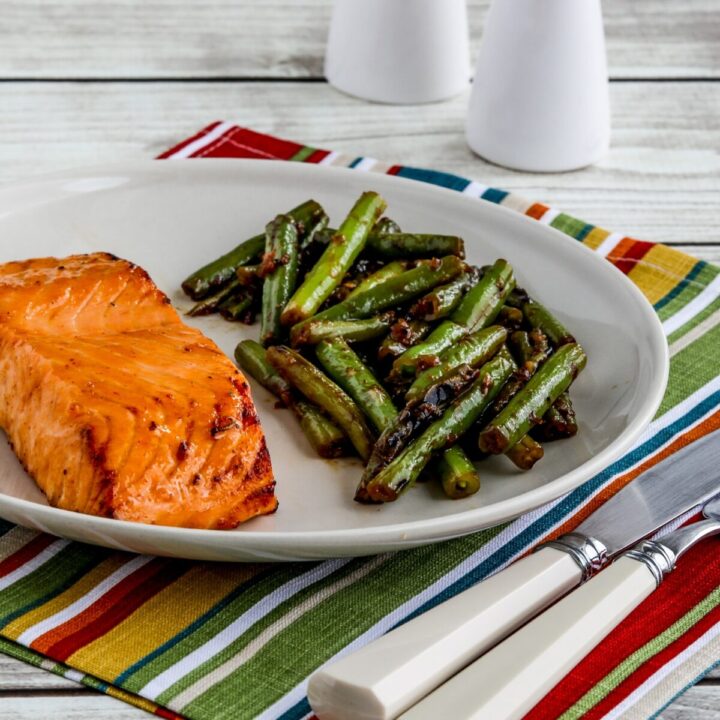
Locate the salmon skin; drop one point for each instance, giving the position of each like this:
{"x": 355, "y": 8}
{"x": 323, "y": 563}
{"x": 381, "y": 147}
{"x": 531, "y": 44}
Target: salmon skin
{"x": 116, "y": 407}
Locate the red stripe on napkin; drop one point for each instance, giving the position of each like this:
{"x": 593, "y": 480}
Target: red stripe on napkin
{"x": 25, "y": 553}
{"x": 693, "y": 580}
{"x": 628, "y": 252}
{"x": 188, "y": 141}
{"x": 109, "y": 610}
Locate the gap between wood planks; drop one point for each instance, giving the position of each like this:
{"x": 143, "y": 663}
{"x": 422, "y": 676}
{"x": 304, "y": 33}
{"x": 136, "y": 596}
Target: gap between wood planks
{"x": 269, "y": 80}
{"x": 82, "y": 691}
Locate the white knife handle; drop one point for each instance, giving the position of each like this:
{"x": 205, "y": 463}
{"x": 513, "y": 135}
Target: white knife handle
{"x": 510, "y": 679}
{"x": 389, "y": 675}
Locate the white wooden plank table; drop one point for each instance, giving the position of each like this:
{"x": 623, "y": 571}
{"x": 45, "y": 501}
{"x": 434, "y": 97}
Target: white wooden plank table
{"x": 94, "y": 81}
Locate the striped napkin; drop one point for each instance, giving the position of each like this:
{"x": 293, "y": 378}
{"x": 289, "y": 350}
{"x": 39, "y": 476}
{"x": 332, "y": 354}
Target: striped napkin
{"x": 212, "y": 641}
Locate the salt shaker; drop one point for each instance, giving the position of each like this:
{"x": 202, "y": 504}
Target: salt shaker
{"x": 399, "y": 51}
{"x": 540, "y": 92}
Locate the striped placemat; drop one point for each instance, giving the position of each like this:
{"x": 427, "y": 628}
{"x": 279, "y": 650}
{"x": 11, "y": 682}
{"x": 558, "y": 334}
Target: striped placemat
{"x": 211, "y": 641}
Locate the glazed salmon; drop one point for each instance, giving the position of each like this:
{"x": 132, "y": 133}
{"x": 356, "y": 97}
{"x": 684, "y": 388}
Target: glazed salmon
{"x": 116, "y": 407}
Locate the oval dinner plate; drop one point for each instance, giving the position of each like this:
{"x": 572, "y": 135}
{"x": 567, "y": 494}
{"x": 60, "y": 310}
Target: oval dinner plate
{"x": 172, "y": 217}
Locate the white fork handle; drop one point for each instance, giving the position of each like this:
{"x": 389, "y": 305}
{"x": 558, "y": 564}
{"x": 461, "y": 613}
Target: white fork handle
{"x": 506, "y": 682}
{"x": 389, "y": 675}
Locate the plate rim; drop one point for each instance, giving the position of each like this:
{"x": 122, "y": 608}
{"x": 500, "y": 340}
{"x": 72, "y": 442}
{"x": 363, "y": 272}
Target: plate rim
{"x": 405, "y": 533}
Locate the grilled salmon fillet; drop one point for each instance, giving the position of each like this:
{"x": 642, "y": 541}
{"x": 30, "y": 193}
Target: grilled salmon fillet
{"x": 116, "y": 407}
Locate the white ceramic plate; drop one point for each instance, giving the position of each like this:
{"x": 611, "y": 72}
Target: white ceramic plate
{"x": 172, "y": 217}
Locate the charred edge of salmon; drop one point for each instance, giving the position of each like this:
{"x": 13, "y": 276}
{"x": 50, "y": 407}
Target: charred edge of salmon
{"x": 248, "y": 417}
{"x": 131, "y": 266}
{"x": 249, "y": 413}
{"x": 63, "y": 262}
{"x": 143, "y": 273}
{"x": 264, "y": 503}
{"x": 261, "y": 465}
{"x": 262, "y": 492}
{"x": 261, "y": 468}
{"x": 262, "y": 500}
{"x": 106, "y": 476}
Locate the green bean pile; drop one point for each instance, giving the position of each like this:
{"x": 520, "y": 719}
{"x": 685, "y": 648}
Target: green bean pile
{"x": 388, "y": 345}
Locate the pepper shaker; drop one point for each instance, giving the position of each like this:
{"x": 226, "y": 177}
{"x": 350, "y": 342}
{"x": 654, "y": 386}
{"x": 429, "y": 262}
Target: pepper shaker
{"x": 540, "y": 93}
{"x": 399, "y": 51}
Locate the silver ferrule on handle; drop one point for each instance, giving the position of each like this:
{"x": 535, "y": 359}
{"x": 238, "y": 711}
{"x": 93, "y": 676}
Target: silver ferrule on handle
{"x": 657, "y": 557}
{"x": 589, "y": 554}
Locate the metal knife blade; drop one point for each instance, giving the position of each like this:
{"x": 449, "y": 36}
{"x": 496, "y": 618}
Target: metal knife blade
{"x": 687, "y": 478}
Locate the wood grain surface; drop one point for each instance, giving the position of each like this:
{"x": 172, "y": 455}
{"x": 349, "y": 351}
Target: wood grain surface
{"x": 661, "y": 181}
{"x": 285, "y": 38}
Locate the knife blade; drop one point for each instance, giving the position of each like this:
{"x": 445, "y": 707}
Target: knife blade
{"x": 657, "y": 497}
{"x": 389, "y": 675}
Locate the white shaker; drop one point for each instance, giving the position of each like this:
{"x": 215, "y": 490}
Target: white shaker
{"x": 540, "y": 92}
{"x": 399, "y": 51}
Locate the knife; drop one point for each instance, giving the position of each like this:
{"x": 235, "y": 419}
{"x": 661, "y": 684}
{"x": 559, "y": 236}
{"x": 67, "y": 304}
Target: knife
{"x": 389, "y": 675}
{"x": 510, "y": 679}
